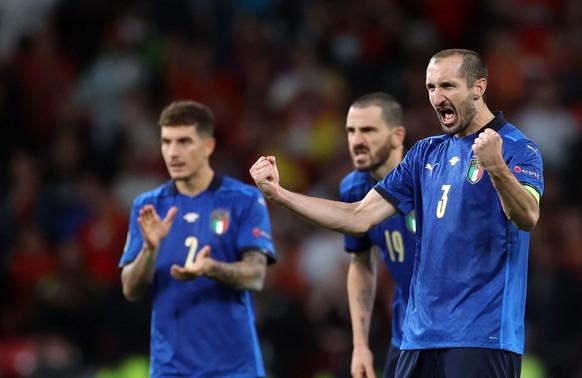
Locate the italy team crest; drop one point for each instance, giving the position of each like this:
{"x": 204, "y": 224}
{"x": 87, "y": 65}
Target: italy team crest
{"x": 219, "y": 221}
{"x": 411, "y": 222}
{"x": 475, "y": 171}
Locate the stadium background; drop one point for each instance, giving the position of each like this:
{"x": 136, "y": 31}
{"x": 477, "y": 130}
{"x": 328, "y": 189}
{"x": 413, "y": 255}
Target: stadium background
{"x": 82, "y": 84}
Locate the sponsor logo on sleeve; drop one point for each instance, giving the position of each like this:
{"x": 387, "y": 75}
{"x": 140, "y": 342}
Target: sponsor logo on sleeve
{"x": 257, "y": 232}
{"x": 520, "y": 170}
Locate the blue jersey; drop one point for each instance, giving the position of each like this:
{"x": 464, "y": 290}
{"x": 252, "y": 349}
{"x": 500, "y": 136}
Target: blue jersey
{"x": 470, "y": 276}
{"x": 202, "y": 328}
{"x": 395, "y": 239}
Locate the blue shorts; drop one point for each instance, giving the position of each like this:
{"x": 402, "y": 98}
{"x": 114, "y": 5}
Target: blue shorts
{"x": 458, "y": 363}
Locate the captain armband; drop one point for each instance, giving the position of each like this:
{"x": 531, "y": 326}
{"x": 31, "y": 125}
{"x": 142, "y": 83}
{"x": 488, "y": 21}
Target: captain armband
{"x": 533, "y": 192}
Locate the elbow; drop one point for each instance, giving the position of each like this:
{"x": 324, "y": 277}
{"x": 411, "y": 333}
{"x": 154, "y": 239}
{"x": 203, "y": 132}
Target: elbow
{"x": 360, "y": 228}
{"x": 356, "y": 233}
{"x": 528, "y": 222}
{"x": 529, "y": 225}
{"x": 256, "y": 286}
{"x": 131, "y": 295}
{"x": 258, "y": 283}
{"x": 130, "y": 290}
{"x": 354, "y": 228}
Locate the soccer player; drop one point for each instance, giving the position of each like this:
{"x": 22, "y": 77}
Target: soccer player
{"x": 376, "y": 143}
{"x": 475, "y": 191}
{"x": 202, "y": 260}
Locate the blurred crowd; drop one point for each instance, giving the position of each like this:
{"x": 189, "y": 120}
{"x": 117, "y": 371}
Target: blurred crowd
{"x": 82, "y": 84}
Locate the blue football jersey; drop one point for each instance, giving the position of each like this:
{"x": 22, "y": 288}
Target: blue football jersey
{"x": 470, "y": 276}
{"x": 202, "y": 328}
{"x": 395, "y": 238}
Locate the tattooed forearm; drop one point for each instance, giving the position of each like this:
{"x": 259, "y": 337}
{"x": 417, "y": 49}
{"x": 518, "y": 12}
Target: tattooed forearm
{"x": 366, "y": 299}
{"x": 248, "y": 274}
{"x": 364, "y": 324}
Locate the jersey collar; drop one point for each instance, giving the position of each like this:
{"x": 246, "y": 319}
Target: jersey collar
{"x": 496, "y": 123}
{"x": 216, "y": 182}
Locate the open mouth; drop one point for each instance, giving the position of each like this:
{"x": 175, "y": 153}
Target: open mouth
{"x": 447, "y": 115}
{"x": 360, "y": 151}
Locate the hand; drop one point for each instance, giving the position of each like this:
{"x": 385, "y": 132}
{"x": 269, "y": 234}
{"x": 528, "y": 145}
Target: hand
{"x": 266, "y": 175}
{"x": 154, "y": 229}
{"x": 487, "y": 149}
{"x": 194, "y": 267}
{"x": 362, "y": 363}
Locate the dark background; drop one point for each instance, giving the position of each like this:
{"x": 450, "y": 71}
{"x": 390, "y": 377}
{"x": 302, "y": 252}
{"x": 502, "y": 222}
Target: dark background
{"x": 82, "y": 84}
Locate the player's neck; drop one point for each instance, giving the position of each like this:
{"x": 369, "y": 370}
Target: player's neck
{"x": 482, "y": 118}
{"x": 395, "y": 158}
{"x": 197, "y": 183}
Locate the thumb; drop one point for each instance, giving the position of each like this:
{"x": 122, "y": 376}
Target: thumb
{"x": 204, "y": 252}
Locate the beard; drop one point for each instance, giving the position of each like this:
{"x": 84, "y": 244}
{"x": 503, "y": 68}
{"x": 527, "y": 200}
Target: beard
{"x": 376, "y": 161}
{"x": 465, "y": 114}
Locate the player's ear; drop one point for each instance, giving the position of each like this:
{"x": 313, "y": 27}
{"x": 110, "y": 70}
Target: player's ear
{"x": 479, "y": 88}
{"x": 398, "y": 135}
{"x": 210, "y": 144}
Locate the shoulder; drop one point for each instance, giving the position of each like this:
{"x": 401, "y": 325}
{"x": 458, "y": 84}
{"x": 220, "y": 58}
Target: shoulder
{"x": 511, "y": 133}
{"x": 353, "y": 180}
{"x": 427, "y": 144}
{"x": 167, "y": 189}
{"x": 238, "y": 188}
{"x": 515, "y": 140}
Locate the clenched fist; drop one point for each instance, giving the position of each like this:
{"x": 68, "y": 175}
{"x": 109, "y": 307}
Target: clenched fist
{"x": 487, "y": 149}
{"x": 266, "y": 176}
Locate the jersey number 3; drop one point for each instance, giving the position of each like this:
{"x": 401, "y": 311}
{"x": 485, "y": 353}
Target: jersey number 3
{"x": 442, "y": 206}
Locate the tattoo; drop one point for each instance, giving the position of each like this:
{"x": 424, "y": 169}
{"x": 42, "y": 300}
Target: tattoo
{"x": 150, "y": 257}
{"x": 364, "y": 328}
{"x": 366, "y": 300}
{"x": 247, "y": 274}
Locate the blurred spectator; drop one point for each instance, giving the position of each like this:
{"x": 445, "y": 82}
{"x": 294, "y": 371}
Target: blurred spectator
{"x": 541, "y": 109}
{"x": 81, "y": 83}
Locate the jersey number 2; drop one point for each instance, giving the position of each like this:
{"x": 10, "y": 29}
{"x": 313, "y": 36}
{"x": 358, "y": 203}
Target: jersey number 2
{"x": 192, "y": 243}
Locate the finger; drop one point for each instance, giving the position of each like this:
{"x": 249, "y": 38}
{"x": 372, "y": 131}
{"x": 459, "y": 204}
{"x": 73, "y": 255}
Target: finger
{"x": 260, "y": 160}
{"x": 205, "y": 251}
{"x": 370, "y": 373}
{"x": 171, "y": 214}
{"x": 178, "y": 272}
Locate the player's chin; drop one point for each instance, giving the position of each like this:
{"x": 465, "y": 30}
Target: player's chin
{"x": 361, "y": 163}
{"x": 178, "y": 176}
{"x": 450, "y": 129}
{"x": 362, "y": 167}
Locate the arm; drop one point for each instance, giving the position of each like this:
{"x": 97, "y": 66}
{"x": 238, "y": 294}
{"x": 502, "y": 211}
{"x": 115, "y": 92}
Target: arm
{"x": 348, "y": 218}
{"x": 137, "y": 276}
{"x": 361, "y": 294}
{"x": 519, "y": 205}
{"x": 247, "y": 274}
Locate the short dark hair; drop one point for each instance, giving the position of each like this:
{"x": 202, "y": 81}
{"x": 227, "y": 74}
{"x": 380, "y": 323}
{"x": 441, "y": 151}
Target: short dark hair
{"x": 473, "y": 67}
{"x": 391, "y": 109}
{"x": 188, "y": 113}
